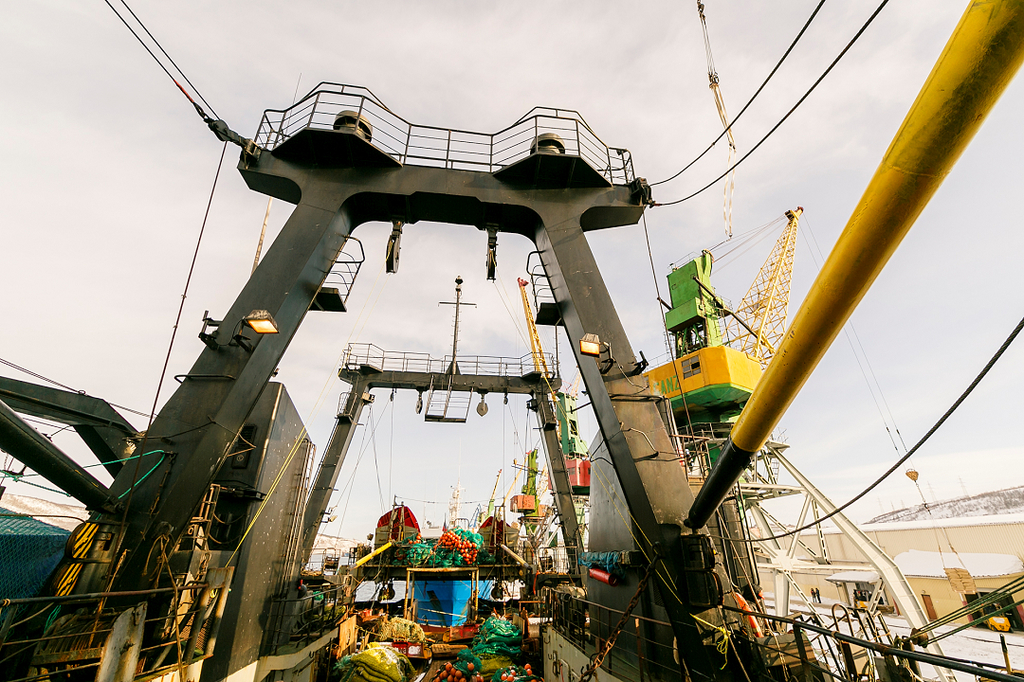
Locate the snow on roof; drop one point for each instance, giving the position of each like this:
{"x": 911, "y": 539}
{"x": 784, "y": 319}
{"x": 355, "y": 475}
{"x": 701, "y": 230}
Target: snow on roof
{"x": 933, "y": 564}
{"x": 991, "y": 520}
{"x": 853, "y": 577}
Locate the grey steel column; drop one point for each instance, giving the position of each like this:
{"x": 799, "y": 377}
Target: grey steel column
{"x": 653, "y": 482}
{"x": 32, "y": 449}
{"x": 330, "y": 465}
{"x": 208, "y": 409}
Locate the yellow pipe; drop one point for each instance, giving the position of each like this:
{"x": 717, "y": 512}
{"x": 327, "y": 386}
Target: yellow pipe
{"x": 372, "y": 554}
{"x": 977, "y": 64}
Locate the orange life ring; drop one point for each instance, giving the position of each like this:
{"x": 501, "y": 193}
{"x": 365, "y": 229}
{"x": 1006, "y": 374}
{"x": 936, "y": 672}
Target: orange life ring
{"x": 755, "y": 627}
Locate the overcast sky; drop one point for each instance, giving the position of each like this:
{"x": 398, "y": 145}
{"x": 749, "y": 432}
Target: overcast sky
{"x": 106, "y": 171}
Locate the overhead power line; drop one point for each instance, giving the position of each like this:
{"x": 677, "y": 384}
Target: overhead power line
{"x": 728, "y": 128}
{"x": 788, "y": 113}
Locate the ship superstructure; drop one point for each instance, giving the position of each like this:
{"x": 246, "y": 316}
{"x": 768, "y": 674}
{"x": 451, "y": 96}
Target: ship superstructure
{"x": 190, "y": 562}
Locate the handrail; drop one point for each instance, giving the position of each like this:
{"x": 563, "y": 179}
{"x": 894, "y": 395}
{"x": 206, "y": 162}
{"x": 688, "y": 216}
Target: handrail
{"x": 423, "y": 145}
{"x": 96, "y": 595}
{"x": 970, "y": 667}
{"x": 368, "y": 354}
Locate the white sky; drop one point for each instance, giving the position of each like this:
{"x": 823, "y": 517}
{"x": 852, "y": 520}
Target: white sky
{"x": 106, "y": 171}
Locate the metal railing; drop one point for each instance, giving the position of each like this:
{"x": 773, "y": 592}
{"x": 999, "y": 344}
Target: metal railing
{"x": 644, "y": 649}
{"x": 67, "y": 635}
{"x": 345, "y": 269}
{"x": 539, "y": 281}
{"x": 366, "y": 354}
{"x": 295, "y": 622}
{"x": 420, "y": 145}
{"x": 831, "y": 654}
{"x": 795, "y": 650}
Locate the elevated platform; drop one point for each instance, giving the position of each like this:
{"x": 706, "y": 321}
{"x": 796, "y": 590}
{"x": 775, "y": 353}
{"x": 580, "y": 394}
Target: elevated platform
{"x": 308, "y": 133}
{"x": 419, "y": 371}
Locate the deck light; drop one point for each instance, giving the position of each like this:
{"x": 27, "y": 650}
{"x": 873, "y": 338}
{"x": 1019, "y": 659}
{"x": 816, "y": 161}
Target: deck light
{"x": 590, "y": 345}
{"x": 261, "y": 322}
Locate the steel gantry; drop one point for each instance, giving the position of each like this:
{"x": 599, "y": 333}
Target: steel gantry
{"x": 344, "y": 159}
{"x": 365, "y": 368}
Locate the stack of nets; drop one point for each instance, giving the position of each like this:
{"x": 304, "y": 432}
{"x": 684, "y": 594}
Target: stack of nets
{"x": 514, "y": 673}
{"x": 400, "y": 629}
{"x": 498, "y": 644}
{"x": 465, "y": 668}
{"x": 376, "y": 663}
{"x": 456, "y": 547}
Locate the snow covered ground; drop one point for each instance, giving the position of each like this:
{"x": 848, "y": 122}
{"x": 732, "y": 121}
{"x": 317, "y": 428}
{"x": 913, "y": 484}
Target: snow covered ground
{"x": 974, "y": 644}
{"x": 978, "y": 645}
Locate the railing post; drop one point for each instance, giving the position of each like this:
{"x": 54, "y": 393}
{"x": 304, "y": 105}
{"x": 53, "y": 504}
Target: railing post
{"x": 316, "y": 103}
{"x": 611, "y": 173}
{"x": 804, "y": 663}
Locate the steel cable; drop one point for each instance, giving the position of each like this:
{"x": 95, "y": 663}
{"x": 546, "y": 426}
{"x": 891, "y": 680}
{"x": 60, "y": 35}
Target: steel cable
{"x": 788, "y": 113}
{"x": 750, "y": 101}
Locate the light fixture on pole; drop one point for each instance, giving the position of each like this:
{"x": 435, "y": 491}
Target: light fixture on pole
{"x": 261, "y": 322}
{"x": 590, "y": 345}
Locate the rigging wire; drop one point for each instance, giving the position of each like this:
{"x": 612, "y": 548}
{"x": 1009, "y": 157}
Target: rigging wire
{"x": 728, "y": 128}
{"x": 731, "y": 256}
{"x": 935, "y": 427}
{"x": 167, "y": 360}
{"x": 315, "y": 410}
{"x": 818, "y": 258}
{"x": 713, "y": 80}
{"x": 350, "y": 483}
{"x": 788, "y": 113}
{"x": 66, "y": 387}
{"x": 159, "y": 62}
{"x": 376, "y": 464}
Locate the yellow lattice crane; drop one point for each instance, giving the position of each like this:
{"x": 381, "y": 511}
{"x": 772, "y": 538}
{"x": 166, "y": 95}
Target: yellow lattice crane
{"x": 766, "y": 304}
{"x": 539, "y": 362}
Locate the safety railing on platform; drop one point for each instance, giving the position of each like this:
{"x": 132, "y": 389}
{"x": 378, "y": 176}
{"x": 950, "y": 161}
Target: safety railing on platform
{"x": 295, "y": 622}
{"x": 420, "y": 145}
{"x": 70, "y": 636}
{"x": 540, "y": 284}
{"x": 777, "y": 648}
{"x": 345, "y": 269}
{"x": 368, "y": 355}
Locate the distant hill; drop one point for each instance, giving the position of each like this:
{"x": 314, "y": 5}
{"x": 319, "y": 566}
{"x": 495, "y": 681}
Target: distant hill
{"x": 1007, "y": 501}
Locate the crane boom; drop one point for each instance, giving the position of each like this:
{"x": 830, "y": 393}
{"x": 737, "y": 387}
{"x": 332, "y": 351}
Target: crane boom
{"x": 539, "y": 362}
{"x": 766, "y": 304}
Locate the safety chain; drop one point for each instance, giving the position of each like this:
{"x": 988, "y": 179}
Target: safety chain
{"x": 597, "y": 659}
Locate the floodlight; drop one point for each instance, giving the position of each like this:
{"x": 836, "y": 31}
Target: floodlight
{"x": 590, "y": 345}
{"x": 261, "y": 322}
